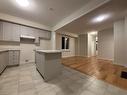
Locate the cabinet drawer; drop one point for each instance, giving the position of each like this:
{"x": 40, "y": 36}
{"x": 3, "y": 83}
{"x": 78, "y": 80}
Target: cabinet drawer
{"x": 14, "y": 57}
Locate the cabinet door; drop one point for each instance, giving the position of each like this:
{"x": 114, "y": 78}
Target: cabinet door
{"x": 27, "y": 31}
{"x": 5, "y": 58}
{"x": 24, "y": 30}
{"x": 44, "y": 34}
{"x": 16, "y": 32}
{"x": 40, "y": 62}
{"x": 10, "y": 58}
{"x": 7, "y": 31}
{"x": 3, "y": 61}
{"x": 16, "y": 57}
{"x": 10, "y": 32}
{"x": 1, "y": 30}
{"x": 36, "y": 35}
{"x": 48, "y": 35}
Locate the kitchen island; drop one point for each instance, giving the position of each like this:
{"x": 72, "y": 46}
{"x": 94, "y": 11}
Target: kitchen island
{"x": 48, "y": 63}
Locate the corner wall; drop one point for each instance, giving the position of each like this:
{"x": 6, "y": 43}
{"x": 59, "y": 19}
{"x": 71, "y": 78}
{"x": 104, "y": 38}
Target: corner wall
{"x": 120, "y": 31}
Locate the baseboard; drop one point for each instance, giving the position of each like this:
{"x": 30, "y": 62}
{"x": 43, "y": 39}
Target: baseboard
{"x": 67, "y": 56}
{"x": 31, "y": 61}
{"x": 120, "y": 64}
{"x": 12, "y": 65}
{"x": 106, "y": 59}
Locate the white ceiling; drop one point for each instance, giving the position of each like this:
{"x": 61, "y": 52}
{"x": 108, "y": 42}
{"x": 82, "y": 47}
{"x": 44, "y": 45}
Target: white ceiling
{"x": 39, "y": 10}
{"x": 116, "y": 8}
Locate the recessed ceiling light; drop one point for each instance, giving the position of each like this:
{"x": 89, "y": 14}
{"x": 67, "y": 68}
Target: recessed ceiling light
{"x": 23, "y": 3}
{"x": 100, "y": 18}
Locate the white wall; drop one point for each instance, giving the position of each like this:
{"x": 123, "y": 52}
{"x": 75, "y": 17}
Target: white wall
{"x": 91, "y": 45}
{"x": 67, "y": 53}
{"x": 120, "y": 31}
{"x": 83, "y": 45}
{"x": 106, "y": 44}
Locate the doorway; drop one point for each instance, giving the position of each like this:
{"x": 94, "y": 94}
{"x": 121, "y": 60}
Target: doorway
{"x": 92, "y": 44}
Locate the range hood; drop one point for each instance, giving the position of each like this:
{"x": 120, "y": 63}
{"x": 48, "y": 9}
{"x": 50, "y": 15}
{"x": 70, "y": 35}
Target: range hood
{"x": 27, "y": 37}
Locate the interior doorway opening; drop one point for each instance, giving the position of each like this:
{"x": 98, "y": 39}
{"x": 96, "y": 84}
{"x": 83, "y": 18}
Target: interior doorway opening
{"x": 92, "y": 44}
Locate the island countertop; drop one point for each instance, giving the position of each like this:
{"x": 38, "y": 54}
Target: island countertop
{"x": 49, "y": 51}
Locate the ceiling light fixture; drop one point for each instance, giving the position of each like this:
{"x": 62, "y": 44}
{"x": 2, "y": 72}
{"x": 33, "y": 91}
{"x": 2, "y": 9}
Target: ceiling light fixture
{"x": 23, "y": 3}
{"x": 100, "y": 18}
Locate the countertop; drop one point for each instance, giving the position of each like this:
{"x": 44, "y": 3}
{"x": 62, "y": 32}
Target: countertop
{"x": 49, "y": 51}
{"x": 5, "y": 50}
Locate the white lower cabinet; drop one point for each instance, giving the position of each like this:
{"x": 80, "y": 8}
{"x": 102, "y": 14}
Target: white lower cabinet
{"x": 3, "y": 60}
{"x": 14, "y": 57}
{"x": 9, "y": 58}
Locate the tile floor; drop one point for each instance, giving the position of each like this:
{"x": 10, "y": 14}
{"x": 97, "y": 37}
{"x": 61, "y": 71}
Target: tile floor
{"x": 25, "y": 80}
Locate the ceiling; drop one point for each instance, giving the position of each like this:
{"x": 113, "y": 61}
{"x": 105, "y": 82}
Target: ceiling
{"x": 116, "y": 8}
{"x": 47, "y": 12}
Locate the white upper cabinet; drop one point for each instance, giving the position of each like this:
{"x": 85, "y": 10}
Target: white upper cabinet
{"x": 44, "y": 34}
{"x": 16, "y": 32}
{"x": 12, "y": 32}
{"x": 27, "y": 31}
{"x": 7, "y": 31}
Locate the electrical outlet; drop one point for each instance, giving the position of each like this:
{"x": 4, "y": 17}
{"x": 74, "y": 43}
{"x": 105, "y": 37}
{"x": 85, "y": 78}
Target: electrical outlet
{"x": 26, "y": 60}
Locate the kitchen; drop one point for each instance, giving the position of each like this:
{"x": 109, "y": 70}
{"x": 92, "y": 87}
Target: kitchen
{"x": 49, "y": 49}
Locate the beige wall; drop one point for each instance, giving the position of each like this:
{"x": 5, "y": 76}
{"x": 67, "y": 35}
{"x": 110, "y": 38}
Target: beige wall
{"x": 67, "y": 53}
{"x": 106, "y": 44}
{"x": 27, "y": 52}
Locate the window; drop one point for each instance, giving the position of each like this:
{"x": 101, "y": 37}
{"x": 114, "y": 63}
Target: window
{"x": 65, "y": 42}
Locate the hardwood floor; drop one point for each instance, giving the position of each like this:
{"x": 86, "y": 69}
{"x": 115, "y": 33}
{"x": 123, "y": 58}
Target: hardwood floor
{"x": 101, "y": 69}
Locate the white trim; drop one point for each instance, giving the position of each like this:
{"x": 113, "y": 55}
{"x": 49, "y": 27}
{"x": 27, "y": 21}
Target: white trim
{"x": 22, "y": 62}
{"x": 65, "y": 50}
{"x": 27, "y": 37}
{"x": 105, "y": 59}
{"x": 120, "y": 64}
{"x": 68, "y": 34}
{"x": 84, "y": 10}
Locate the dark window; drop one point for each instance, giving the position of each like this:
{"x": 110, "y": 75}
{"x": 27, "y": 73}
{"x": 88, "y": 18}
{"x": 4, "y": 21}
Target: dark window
{"x": 65, "y": 43}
